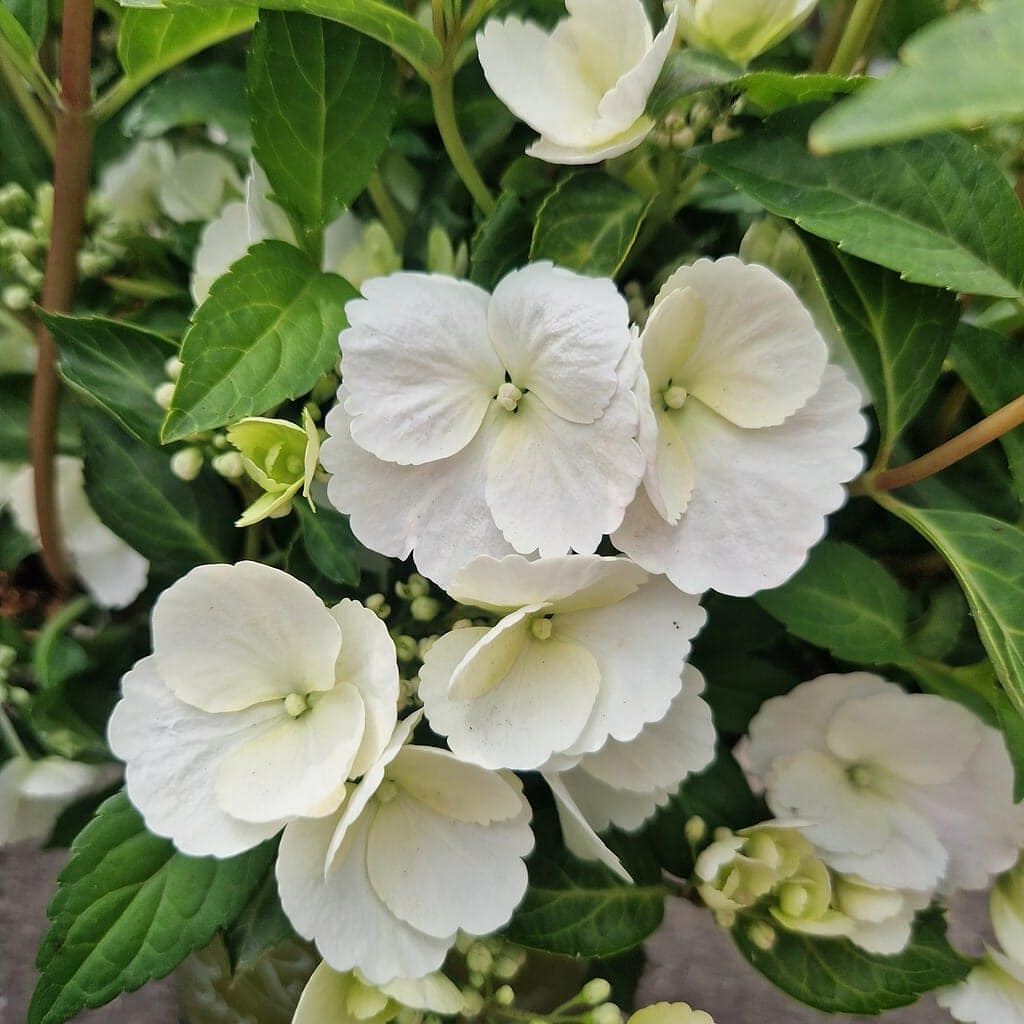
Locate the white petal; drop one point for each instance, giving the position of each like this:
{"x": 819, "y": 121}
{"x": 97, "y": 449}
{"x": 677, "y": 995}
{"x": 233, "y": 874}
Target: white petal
{"x": 437, "y": 511}
{"x": 759, "y": 357}
{"x": 799, "y": 719}
{"x": 265, "y": 218}
{"x": 603, "y": 806}
{"x": 368, "y": 662}
{"x": 640, "y": 645}
{"x": 561, "y": 336}
{"x": 435, "y": 992}
{"x": 172, "y": 753}
{"x": 885, "y": 937}
{"x": 553, "y": 485}
{"x": 538, "y": 709}
{"x": 324, "y": 1000}
{"x": 570, "y": 583}
{"x": 114, "y": 575}
{"x": 547, "y": 149}
{"x": 222, "y": 242}
{"x": 579, "y": 837}
{"x": 57, "y": 778}
{"x": 612, "y": 37}
{"x": 342, "y": 914}
{"x": 228, "y": 636}
{"x": 419, "y": 367}
{"x": 990, "y": 994}
{"x": 759, "y": 497}
{"x": 297, "y": 767}
{"x": 674, "y": 326}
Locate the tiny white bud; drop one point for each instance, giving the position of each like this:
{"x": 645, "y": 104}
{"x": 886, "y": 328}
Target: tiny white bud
{"x": 227, "y": 464}
{"x": 418, "y": 585}
{"x": 508, "y": 396}
{"x": 295, "y": 704}
{"x": 479, "y": 958}
{"x": 375, "y": 602}
{"x": 607, "y": 1013}
{"x": 163, "y": 394}
{"x": 186, "y": 463}
{"x": 505, "y": 968}
{"x": 16, "y": 297}
{"x": 472, "y": 1002}
{"x": 541, "y": 628}
{"x": 595, "y": 992}
{"x": 675, "y": 396}
{"x": 462, "y": 623}
{"x": 423, "y": 608}
{"x": 406, "y": 647}
{"x": 423, "y": 648}
{"x": 696, "y": 828}
{"x": 173, "y": 367}
{"x": 762, "y": 935}
{"x": 505, "y": 996}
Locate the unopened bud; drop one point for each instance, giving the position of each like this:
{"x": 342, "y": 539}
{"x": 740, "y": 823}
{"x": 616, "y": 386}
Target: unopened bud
{"x": 172, "y": 367}
{"x": 595, "y": 992}
{"x": 762, "y": 935}
{"x": 479, "y": 958}
{"x": 16, "y": 297}
{"x": 462, "y": 623}
{"x": 696, "y": 828}
{"x": 472, "y": 1002}
{"x": 423, "y": 647}
{"x": 606, "y": 1013}
{"x": 505, "y": 996}
{"x": 505, "y": 968}
{"x": 423, "y": 608}
{"x": 228, "y": 464}
{"x": 163, "y": 395}
{"x": 186, "y": 463}
{"x": 406, "y": 647}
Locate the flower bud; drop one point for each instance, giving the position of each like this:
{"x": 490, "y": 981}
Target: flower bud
{"x": 172, "y": 367}
{"x": 762, "y": 935}
{"x": 606, "y": 1013}
{"x": 423, "y": 609}
{"x": 696, "y": 829}
{"x": 163, "y": 394}
{"x": 472, "y": 1002}
{"x": 16, "y": 297}
{"x": 186, "y": 463}
{"x": 15, "y": 202}
{"x": 407, "y": 648}
{"x": 595, "y": 992}
{"x": 505, "y": 996}
{"x": 228, "y": 465}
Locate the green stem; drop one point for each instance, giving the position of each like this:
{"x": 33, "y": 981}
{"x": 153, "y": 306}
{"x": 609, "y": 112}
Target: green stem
{"x": 387, "y": 209}
{"x": 53, "y": 630}
{"x": 443, "y": 97}
{"x": 13, "y": 740}
{"x": 37, "y": 117}
{"x": 855, "y": 36}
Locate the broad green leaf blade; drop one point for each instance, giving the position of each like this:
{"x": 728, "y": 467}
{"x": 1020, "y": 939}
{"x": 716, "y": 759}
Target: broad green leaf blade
{"x": 992, "y": 367}
{"x": 116, "y": 365}
{"x": 130, "y": 908}
{"x": 330, "y": 544}
{"x": 588, "y": 224}
{"x": 15, "y": 406}
{"x": 845, "y": 601}
{"x": 32, "y": 15}
{"x": 17, "y": 40}
{"x": 266, "y": 333}
{"x": 322, "y": 98}
{"x": 502, "y": 242}
{"x": 150, "y": 41}
{"x": 176, "y": 525}
{"x": 960, "y": 72}
{"x": 897, "y": 333}
{"x": 22, "y": 158}
{"x": 836, "y": 976}
{"x": 987, "y": 558}
{"x": 772, "y": 91}
{"x": 260, "y": 926}
{"x": 912, "y": 207}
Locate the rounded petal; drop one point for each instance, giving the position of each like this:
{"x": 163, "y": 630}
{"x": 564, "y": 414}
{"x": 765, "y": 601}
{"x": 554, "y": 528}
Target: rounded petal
{"x": 172, "y": 753}
{"x": 640, "y": 645}
{"x": 490, "y": 659}
{"x": 324, "y": 1000}
{"x": 552, "y": 152}
{"x": 561, "y": 336}
{"x": 221, "y": 243}
{"x": 368, "y": 662}
{"x": 553, "y": 485}
{"x": 602, "y": 805}
{"x": 342, "y": 913}
{"x": 991, "y": 994}
{"x": 226, "y": 637}
{"x": 759, "y": 496}
{"x": 114, "y": 575}
{"x": 436, "y": 511}
{"x": 670, "y": 1013}
{"x": 611, "y": 37}
{"x": 419, "y": 367}
{"x": 435, "y": 993}
{"x": 577, "y": 833}
{"x": 266, "y": 219}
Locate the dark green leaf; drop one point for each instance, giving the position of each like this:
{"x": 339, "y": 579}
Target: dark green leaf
{"x": 737, "y": 686}
{"x": 960, "y": 72}
{"x": 687, "y": 72}
{"x": 502, "y": 242}
{"x": 130, "y": 908}
{"x": 117, "y": 365}
{"x": 176, "y": 525}
{"x": 32, "y": 16}
{"x": 836, "y": 976}
{"x": 912, "y": 207}
{"x": 259, "y": 927}
{"x": 330, "y": 543}
{"x": 15, "y": 402}
{"x": 322, "y": 98}
{"x": 897, "y": 333}
{"x": 772, "y": 91}
{"x": 14, "y": 34}
{"x": 266, "y": 333}
{"x": 588, "y": 224}
{"x": 22, "y": 159}
{"x": 14, "y": 545}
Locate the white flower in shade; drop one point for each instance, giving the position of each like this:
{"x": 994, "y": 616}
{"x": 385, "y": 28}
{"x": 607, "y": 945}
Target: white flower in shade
{"x": 739, "y": 29}
{"x": 908, "y": 791}
{"x": 587, "y": 649}
{"x": 1006, "y": 909}
{"x": 197, "y": 185}
{"x": 475, "y": 424}
{"x": 583, "y": 86}
{"x": 352, "y": 249}
{"x": 333, "y": 997}
{"x": 34, "y": 793}
{"x": 670, "y": 1013}
{"x": 748, "y": 433}
{"x": 993, "y": 993}
{"x": 423, "y": 847}
{"x": 255, "y": 706}
{"x": 112, "y": 572}
{"x": 624, "y": 783}
{"x": 129, "y": 187}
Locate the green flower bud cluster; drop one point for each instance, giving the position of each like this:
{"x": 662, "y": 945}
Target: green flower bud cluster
{"x": 491, "y": 964}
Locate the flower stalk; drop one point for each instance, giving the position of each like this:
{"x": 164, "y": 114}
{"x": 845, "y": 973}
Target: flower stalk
{"x": 855, "y": 36}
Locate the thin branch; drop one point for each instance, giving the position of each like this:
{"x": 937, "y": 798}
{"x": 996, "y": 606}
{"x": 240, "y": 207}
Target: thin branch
{"x": 855, "y": 36}
{"x": 70, "y": 191}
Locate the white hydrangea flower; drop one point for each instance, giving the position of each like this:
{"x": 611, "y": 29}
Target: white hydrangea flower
{"x": 373, "y": 884}
{"x": 583, "y": 86}
{"x": 624, "y": 783}
{"x": 197, "y": 185}
{"x": 475, "y": 424}
{"x": 908, "y": 791}
{"x": 880, "y": 918}
{"x": 1006, "y": 910}
{"x": 748, "y": 433}
{"x": 352, "y": 249}
{"x": 993, "y": 993}
{"x": 112, "y": 572}
{"x": 588, "y": 649}
{"x": 670, "y": 1013}
{"x": 739, "y": 29}
{"x": 333, "y": 997}
{"x": 34, "y": 793}
{"x": 257, "y": 703}
{"x": 129, "y": 187}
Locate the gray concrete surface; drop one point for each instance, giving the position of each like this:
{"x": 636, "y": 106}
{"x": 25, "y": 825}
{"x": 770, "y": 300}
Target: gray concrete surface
{"x": 689, "y": 959}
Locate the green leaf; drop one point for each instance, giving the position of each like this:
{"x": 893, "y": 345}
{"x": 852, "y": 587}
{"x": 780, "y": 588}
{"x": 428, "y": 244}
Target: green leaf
{"x": 15, "y": 406}
{"x": 22, "y": 158}
{"x": 322, "y": 99}
{"x": 150, "y": 41}
{"x": 835, "y": 976}
{"x": 130, "y": 908}
{"x": 897, "y": 333}
{"x": 259, "y": 927}
{"x": 686, "y": 72}
{"x": 911, "y": 207}
{"x": 772, "y": 91}
{"x": 32, "y": 15}
{"x": 266, "y": 333}
{"x": 14, "y": 545}
{"x": 502, "y": 242}
{"x": 987, "y": 558}
{"x": 176, "y": 525}
{"x": 960, "y": 72}
{"x": 993, "y": 370}
{"x": 116, "y": 365}
{"x": 588, "y": 224}
{"x": 13, "y": 33}
{"x": 330, "y": 544}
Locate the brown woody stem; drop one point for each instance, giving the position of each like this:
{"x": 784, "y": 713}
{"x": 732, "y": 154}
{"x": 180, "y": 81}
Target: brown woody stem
{"x": 70, "y": 191}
